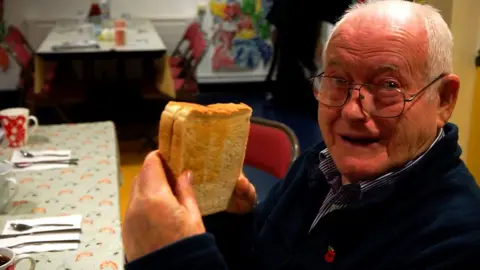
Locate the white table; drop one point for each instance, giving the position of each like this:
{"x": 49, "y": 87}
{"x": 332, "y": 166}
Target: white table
{"x": 89, "y": 189}
{"x": 141, "y": 38}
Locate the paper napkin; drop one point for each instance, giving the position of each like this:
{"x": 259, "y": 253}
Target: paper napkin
{"x": 52, "y": 235}
{"x": 17, "y": 157}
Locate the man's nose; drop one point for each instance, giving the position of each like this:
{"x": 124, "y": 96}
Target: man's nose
{"x": 353, "y": 109}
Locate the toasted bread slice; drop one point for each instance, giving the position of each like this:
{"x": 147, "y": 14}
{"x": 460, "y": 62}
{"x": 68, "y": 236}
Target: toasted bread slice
{"x": 210, "y": 141}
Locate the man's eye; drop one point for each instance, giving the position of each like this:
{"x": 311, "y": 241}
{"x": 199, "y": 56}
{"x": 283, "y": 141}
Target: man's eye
{"x": 391, "y": 85}
{"x": 339, "y": 82}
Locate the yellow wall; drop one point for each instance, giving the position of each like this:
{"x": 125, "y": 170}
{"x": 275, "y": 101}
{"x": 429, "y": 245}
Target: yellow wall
{"x": 465, "y": 26}
{"x": 474, "y": 143}
{"x": 463, "y": 17}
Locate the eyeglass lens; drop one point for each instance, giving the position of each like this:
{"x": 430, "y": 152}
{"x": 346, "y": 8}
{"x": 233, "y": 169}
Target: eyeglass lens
{"x": 377, "y": 100}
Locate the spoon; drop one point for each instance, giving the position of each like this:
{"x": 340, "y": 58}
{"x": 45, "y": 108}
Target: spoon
{"x": 20, "y": 227}
{"x": 30, "y": 155}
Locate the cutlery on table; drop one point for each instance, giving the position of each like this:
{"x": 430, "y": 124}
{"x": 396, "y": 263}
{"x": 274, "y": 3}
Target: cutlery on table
{"x": 43, "y": 242}
{"x": 20, "y": 227}
{"x": 72, "y": 161}
{"x": 27, "y": 154}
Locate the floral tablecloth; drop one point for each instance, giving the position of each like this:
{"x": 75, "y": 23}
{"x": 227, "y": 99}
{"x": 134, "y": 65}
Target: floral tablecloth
{"x": 89, "y": 189}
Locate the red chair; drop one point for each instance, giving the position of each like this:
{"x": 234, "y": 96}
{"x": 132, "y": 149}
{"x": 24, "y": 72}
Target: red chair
{"x": 178, "y": 55}
{"x": 14, "y": 36}
{"x": 184, "y": 79}
{"x": 55, "y": 91}
{"x": 272, "y": 147}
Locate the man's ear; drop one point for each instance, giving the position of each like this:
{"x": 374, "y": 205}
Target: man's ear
{"x": 447, "y": 94}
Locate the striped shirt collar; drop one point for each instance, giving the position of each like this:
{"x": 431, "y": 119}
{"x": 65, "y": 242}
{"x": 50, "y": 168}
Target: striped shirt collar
{"x": 340, "y": 195}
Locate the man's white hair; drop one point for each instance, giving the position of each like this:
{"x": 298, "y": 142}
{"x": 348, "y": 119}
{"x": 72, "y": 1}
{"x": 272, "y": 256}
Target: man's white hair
{"x": 440, "y": 39}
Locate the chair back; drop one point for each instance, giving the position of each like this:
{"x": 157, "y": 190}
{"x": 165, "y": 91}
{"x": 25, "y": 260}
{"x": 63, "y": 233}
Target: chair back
{"x": 272, "y": 147}
{"x": 22, "y": 55}
{"x": 15, "y": 36}
{"x": 192, "y": 30}
{"x": 21, "y": 50}
{"x": 199, "y": 47}
{"x": 189, "y": 37}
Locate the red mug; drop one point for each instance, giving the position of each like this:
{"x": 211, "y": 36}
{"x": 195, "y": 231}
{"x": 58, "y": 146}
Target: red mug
{"x": 15, "y": 124}
{"x": 14, "y": 259}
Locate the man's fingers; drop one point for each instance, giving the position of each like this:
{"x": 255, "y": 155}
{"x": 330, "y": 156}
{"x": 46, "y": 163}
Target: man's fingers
{"x": 133, "y": 190}
{"x": 185, "y": 193}
{"x": 152, "y": 178}
{"x": 245, "y": 190}
{"x": 241, "y": 187}
{"x": 252, "y": 193}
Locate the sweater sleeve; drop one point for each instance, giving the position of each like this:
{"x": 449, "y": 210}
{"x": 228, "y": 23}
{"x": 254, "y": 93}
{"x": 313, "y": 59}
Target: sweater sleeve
{"x": 453, "y": 245}
{"x": 196, "y": 252}
{"x": 227, "y": 243}
{"x": 235, "y": 234}
{"x": 454, "y": 256}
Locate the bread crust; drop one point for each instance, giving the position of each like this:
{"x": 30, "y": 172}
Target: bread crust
{"x": 211, "y": 142}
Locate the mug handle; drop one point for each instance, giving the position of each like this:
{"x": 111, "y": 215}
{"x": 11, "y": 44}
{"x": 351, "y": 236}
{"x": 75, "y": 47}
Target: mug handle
{"x": 35, "y": 123}
{"x": 25, "y": 257}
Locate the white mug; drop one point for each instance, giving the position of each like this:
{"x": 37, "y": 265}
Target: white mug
{"x": 7, "y": 180}
{"x": 14, "y": 259}
{"x": 15, "y": 124}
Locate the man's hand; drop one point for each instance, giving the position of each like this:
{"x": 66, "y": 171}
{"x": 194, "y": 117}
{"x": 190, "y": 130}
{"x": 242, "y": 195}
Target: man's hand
{"x": 244, "y": 197}
{"x": 158, "y": 214}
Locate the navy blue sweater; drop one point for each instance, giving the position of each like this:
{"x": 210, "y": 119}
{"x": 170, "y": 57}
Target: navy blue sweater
{"x": 428, "y": 219}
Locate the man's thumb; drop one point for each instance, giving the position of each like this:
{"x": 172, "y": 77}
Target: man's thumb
{"x": 185, "y": 193}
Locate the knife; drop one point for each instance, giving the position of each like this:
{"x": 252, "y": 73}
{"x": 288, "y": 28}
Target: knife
{"x": 44, "y": 242}
{"x": 39, "y": 238}
{"x": 13, "y": 235}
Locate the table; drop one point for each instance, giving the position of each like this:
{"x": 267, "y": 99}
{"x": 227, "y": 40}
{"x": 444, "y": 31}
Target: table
{"x": 141, "y": 37}
{"x": 89, "y": 189}
{"x": 142, "y": 41}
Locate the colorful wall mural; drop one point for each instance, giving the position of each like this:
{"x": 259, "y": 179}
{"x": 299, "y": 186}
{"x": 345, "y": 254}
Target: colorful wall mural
{"x": 241, "y": 35}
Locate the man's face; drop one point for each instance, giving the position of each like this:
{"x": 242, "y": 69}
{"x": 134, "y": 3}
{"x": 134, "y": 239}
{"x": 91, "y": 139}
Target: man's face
{"x": 373, "y": 51}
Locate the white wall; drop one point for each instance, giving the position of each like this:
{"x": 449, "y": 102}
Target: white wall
{"x": 154, "y": 9}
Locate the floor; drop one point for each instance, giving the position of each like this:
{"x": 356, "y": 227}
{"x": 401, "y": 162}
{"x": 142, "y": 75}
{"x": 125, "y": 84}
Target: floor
{"x": 130, "y": 116}
{"x": 131, "y": 161}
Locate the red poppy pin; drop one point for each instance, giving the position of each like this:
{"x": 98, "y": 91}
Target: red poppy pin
{"x": 330, "y": 255}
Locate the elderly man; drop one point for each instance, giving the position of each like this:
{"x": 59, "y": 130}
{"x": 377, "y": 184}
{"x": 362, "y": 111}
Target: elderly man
{"x": 386, "y": 190}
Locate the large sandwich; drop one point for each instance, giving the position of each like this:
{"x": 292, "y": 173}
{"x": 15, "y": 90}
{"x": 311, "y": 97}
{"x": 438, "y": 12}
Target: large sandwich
{"x": 210, "y": 141}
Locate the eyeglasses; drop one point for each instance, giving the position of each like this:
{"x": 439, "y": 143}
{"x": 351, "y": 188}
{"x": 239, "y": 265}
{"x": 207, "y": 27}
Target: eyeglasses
{"x": 384, "y": 100}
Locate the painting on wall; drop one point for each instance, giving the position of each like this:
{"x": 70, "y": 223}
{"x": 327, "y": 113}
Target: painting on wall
{"x": 241, "y": 35}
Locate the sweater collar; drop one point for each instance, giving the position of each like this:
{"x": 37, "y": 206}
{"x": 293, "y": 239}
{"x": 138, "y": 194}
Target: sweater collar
{"x": 441, "y": 156}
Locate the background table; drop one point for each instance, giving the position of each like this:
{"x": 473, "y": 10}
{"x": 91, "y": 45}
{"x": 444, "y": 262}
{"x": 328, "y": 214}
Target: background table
{"x": 141, "y": 36}
{"x": 142, "y": 41}
{"x": 89, "y": 189}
